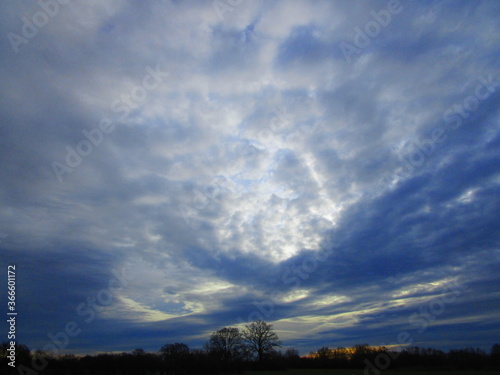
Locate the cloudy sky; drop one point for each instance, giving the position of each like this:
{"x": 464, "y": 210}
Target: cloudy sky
{"x": 169, "y": 168}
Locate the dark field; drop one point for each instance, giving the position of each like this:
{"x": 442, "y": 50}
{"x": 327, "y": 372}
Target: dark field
{"x": 361, "y": 372}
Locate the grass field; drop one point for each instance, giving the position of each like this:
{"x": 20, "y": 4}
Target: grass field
{"x": 361, "y": 372}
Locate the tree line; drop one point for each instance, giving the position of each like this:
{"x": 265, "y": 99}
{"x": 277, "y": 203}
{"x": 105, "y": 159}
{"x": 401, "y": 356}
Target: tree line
{"x": 376, "y": 359}
{"x": 228, "y": 349}
{"x": 231, "y": 350}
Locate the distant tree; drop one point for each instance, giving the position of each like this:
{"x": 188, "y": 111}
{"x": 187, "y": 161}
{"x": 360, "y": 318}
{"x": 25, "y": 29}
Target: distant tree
{"x": 362, "y": 349}
{"x": 360, "y": 353}
{"x": 292, "y": 353}
{"x": 495, "y": 355}
{"x": 260, "y": 338}
{"x": 324, "y": 353}
{"x": 292, "y": 357}
{"x": 340, "y": 354}
{"x": 139, "y": 361}
{"x": 467, "y": 358}
{"x": 138, "y": 352}
{"x": 227, "y": 343}
{"x": 174, "y": 351}
{"x": 175, "y": 356}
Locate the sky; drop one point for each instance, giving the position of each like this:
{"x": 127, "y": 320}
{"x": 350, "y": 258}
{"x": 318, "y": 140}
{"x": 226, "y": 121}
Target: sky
{"x": 170, "y": 168}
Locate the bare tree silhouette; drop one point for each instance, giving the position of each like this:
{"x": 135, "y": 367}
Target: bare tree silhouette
{"x": 260, "y": 338}
{"x": 227, "y": 343}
